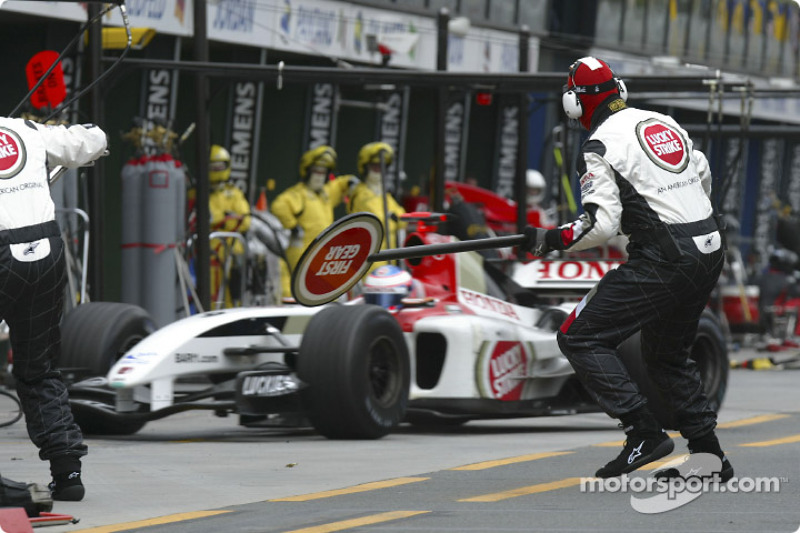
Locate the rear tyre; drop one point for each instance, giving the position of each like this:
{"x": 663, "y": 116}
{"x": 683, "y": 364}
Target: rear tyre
{"x": 355, "y": 363}
{"x": 96, "y": 334}
{"x": 709, "y": 352}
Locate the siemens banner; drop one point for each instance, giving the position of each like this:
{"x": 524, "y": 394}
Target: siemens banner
{"x": 455, "y": 135}
{"x": 506, "y": 146}
{"x": 244, "y": 124}
{"x": 321, "y": 115}
{"x": 391, "y": 128}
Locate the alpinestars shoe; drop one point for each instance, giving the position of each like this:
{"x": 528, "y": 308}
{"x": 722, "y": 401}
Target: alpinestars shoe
{"x": 724, "y": 475}
{"x": 708, "y": 443}
{"x": 638, "y": 451}
{"x": 67, "y": 487}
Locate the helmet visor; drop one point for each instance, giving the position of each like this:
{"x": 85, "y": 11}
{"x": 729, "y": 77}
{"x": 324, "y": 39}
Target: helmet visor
{"x": 218, "y": 166}
{"x": 384, "y": 299}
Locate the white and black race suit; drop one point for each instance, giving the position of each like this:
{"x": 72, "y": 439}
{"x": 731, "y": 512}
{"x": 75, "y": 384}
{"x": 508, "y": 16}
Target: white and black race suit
{"x": 32, "y": 271}
{"x": 640, "y": 176}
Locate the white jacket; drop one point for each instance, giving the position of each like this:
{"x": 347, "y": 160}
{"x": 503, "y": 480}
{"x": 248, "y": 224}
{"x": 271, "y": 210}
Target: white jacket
{"x": 27, "y": 151}
{"x": 638, "y": 169}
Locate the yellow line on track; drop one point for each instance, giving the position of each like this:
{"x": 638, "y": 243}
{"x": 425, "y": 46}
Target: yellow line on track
{"x": 655, "y": 465}
{"x": 169, "y": 519}
{"x": 352, "y": 490}
{"x": 752, "y": 420}
{"x": 760, "y": 419}
{"x": 358, "y": 522}
{"x": 524, "y": 491}
{"x": 509, "y": 461}
{"x": 762, "y": 444}
{"x": 610, "y": 444}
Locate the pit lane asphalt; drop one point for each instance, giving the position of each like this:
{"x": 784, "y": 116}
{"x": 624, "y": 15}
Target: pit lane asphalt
{"x": 199, "y": 473}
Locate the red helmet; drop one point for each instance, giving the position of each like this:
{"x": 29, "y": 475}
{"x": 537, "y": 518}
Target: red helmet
{"x": 589, "y": 82}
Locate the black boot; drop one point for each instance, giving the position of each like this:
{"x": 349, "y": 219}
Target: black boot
{"x": 708, "y": 443}
{"x": 34, "y": 498}
{"x": 66, "y": 485}
{"x": 646, "y": 442}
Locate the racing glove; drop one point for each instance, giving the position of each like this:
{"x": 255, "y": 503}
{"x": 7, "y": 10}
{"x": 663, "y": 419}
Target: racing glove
{"x": 535, "y": 241}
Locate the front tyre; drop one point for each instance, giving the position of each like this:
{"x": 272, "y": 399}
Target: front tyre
{"x": 95, "y": 335}
{"x": 355, "y": 362}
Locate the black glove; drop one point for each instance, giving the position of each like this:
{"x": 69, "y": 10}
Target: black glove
{"x": 535, "y": 241}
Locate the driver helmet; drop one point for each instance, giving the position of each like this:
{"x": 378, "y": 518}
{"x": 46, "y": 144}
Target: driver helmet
{"x": 219, "y": 165}
{"x": 536, "y": 185}
{"x": 387, "y": 286}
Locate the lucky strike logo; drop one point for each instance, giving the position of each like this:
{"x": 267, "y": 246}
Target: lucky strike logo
{"x": 337, "y": 260}
{"x": 507, "y": 367}
{"x": 663, "y": 145}
{"x": 12, "y": 153}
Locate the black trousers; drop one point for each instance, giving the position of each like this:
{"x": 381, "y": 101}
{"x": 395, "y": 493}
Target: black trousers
{"x": 664, "y": 298}
{"x": 31, "y": 303}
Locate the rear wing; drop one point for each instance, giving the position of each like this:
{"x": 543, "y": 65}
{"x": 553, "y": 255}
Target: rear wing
{"x": 562, "y": 278}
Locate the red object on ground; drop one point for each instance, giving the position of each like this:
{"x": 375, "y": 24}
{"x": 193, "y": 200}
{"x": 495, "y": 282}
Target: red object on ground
{"x": 52, "y": 519}
{"x": 14, "y": 520}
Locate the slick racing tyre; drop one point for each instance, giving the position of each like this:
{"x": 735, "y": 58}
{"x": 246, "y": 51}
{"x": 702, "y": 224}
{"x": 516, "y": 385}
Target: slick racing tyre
{"x": 96, "y": 334}
{"x": 710, "y": 354}
{"x": 355, "y": 363}
{"x": 93, "y": 337}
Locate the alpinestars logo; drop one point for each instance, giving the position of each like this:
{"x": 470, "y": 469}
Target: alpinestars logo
{"x": 635, "y": 453}
{"x": 31, "y": 248}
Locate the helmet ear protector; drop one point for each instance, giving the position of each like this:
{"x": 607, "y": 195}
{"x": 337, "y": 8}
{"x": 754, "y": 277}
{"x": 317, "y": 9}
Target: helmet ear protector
{"x": 572, "y": 103}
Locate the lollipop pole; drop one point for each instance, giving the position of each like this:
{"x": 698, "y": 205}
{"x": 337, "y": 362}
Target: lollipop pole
{"x": 426, "y": 250}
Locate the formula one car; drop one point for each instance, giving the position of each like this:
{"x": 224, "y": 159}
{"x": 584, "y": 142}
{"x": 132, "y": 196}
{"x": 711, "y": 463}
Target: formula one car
{"x": 469, "y": 343}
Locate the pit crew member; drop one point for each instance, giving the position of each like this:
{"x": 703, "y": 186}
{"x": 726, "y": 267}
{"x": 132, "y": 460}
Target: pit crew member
{"x": 32, "y": 277}
{"x": 306, "y": 208}
{"x": 369, "y": 195}
{"x": 639, "y": 175}
{"x": 230, "y": 211}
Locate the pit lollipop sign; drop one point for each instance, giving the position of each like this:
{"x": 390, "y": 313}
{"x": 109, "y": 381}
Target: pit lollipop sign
{"x": 336, "y": 259}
